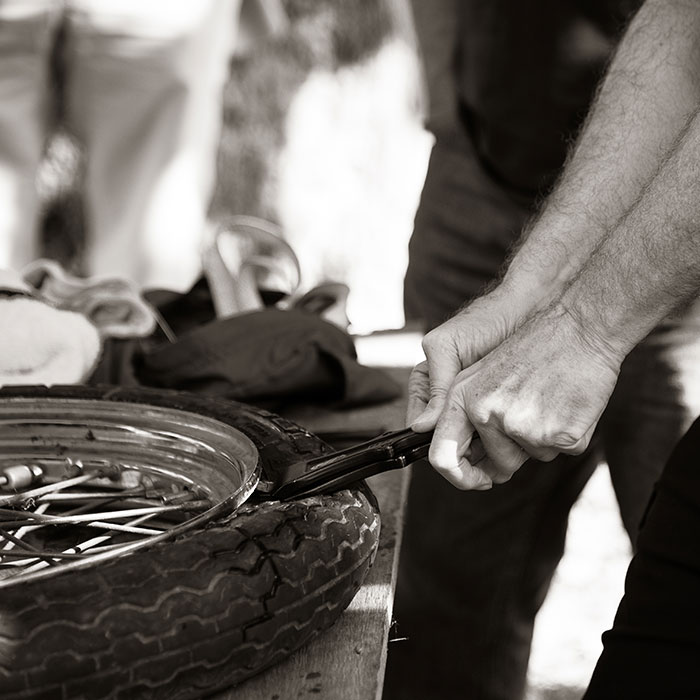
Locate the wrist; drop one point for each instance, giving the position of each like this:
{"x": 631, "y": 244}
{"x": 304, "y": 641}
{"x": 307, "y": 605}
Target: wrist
{"x": 592, "y": 334}
{"x": 521, "y": 294}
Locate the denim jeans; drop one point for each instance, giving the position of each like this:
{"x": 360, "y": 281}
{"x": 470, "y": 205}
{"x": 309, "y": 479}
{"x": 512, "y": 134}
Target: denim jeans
{"x": 476, "y": 566}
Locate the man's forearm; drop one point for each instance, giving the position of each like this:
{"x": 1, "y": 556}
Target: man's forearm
{"x": 650, "y": 264}
{"x": 542, "y": 389}
{"x": 651, "y": 90}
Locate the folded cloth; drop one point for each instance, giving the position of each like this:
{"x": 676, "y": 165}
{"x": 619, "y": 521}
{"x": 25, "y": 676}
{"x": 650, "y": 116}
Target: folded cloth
{"x": 113, "y": 304}
{"x": 40, "y": 344}
{"x": 270, "y": 358}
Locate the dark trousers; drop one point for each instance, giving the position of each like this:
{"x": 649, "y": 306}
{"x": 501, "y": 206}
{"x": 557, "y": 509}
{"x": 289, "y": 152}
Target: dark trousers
{"x": 475, "y": 566}
{"x": 653, "y": 648}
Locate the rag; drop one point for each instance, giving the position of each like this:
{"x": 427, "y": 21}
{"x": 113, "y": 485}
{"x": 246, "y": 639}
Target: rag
{"x": 40, "y": 344}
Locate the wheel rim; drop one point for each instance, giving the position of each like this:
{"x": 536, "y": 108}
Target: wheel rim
{"x": 98, "y": 479}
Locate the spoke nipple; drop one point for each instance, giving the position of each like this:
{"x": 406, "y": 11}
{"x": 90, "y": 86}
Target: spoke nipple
{"x": 20, "y": 476}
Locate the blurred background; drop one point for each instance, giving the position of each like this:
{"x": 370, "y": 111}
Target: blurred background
{"x": 323, "y": 136}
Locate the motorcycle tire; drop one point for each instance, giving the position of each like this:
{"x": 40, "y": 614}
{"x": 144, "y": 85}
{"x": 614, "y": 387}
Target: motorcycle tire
{"x": 201, "y": 612}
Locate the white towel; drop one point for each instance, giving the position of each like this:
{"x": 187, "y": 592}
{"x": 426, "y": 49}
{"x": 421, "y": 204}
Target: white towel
{"x": 40, "y": 344}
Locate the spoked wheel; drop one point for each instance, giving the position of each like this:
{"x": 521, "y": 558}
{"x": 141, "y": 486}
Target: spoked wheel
{"x": 129, "y": 567}
{"x": 83, "y": 477}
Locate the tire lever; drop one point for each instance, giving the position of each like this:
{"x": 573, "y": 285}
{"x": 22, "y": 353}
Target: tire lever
{"x": 393, "y": 450}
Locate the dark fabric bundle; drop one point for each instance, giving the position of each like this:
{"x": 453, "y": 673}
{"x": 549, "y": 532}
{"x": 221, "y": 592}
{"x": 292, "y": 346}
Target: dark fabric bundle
{"x": 270, "y": 358}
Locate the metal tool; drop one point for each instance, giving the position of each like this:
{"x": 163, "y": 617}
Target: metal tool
{"x": 392, "y": 450}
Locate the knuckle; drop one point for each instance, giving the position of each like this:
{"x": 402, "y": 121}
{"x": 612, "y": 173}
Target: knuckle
{"x": 544, "y": 454}
{"x": 432, "y": 341}
{"x": 438, "y": 392}
{"x": 540, "y": 444}
{"x": 514, "y": 428}
{"x": 480, "y": 416}
{"x": 579, "y": 448}
{"x": 442, "y": 456}
{"x": 419, "y": 371}
{"x": 438, "y": 462}
{"x": 474, "y": 478}
{"x": 565, "y": 439}
{"x": 553, "y": 437}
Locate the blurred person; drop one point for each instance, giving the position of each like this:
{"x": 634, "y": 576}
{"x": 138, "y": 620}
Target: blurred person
{"x": 510, "y": 84}
{"x": 143, "y": 93}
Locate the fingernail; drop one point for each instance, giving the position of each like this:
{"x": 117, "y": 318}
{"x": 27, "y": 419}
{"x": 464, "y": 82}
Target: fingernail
{"x": 426, "y": 420}
{"x": 421, "y": 425}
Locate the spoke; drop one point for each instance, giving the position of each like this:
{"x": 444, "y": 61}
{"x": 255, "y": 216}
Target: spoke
{"x": 72, "y": 553}
{"x": 121, "y": 504}
{"x": 104, "y": 498}
{"x": 15, "y": 540}
{"x": 18, "y": 498}
{"x": 22, "y": 531}
{"x": 123, "y": 528}
{"x": 106, "y": 547}
{"x": 37, "y": 553}
{"x": 88, "y": 495}
{"x": 23, "y": 559}
{"x": 76, "y": 552}
{"x": 88, "y": 507}
{"x": 105, "y": 515}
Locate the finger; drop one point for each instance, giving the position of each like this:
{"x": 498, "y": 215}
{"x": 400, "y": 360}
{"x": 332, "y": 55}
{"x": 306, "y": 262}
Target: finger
{"x": 448, "y": 449}
{"x": 579, "y": 446}
{"x": 505, "y": 456}
{"x": 443, "y": 366}
{"x": 418, "y": 393}
{"x": 565, "y": 443}
{"x": 475, "y": 452}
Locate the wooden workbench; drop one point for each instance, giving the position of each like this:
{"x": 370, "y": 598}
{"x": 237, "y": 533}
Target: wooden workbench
{"x": 347, "y": 661}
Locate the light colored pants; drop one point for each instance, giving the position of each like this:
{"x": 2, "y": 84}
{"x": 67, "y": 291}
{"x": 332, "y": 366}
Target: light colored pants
{"x": 144, "y": 82}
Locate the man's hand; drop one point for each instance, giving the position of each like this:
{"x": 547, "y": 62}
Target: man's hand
{"x": 615, "y": 246}
{"x": 458, "y": 343}
{"x": 538, "y": 394}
